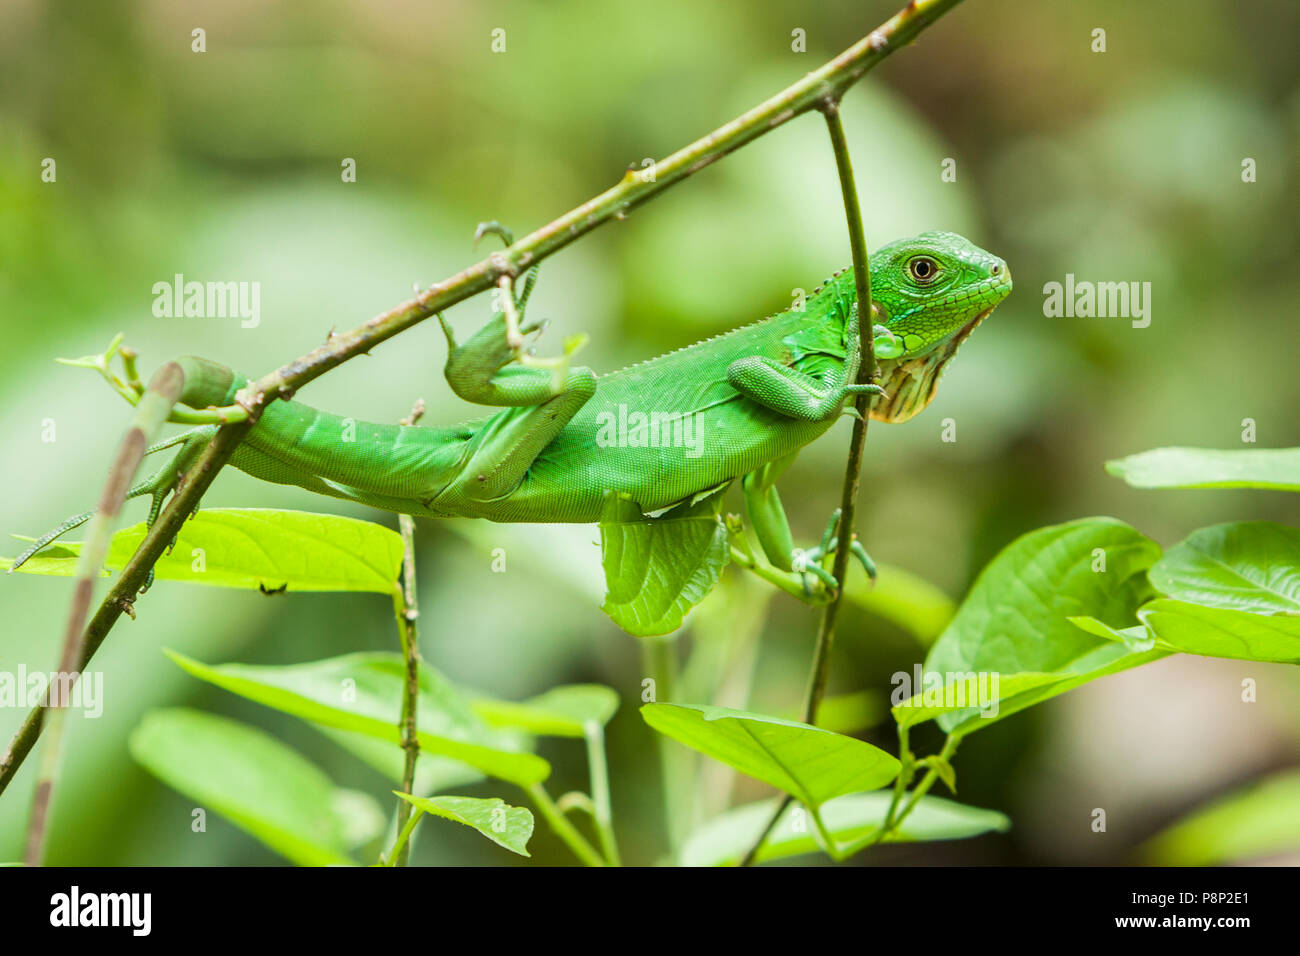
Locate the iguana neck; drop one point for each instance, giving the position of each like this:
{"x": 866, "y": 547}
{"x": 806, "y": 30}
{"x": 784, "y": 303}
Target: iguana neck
{"x": 910, "y": 383}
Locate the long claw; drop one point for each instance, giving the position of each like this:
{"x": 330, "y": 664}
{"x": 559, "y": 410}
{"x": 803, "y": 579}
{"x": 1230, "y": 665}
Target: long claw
{"x": 448, "y": 333}
{"x": 494, "y": 228}
{"x": 859, "y": 552}
{"x": 831, "y": 527}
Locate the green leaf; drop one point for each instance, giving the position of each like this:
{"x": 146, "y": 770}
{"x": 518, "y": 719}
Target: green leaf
{"x": 1221, "y": 632}
{"x": 560, "y": 712}
{"x": 657, "y": 569}
{"x": 363, "y": 692}
{"x": 507, "y": 826}
{"x": 1249, "y": 565}
{"x": 1275, "y": 468}
{"x": 1136, "y": 638}
{"x": 257, "y": 548}
{"x": 979, "y": 698}
{"x": 726, "y": 839}
{"x": 942, "y": 769}
{"x": 1015, "y": 621}
{"x": 810, "y": 764}
{"x": 265, "y": 788}
{"x": 1261, "y": 820}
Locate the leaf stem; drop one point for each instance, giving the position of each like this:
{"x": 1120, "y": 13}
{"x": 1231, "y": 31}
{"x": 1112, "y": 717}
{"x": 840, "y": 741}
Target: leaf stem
{"x": 560, "y": 824}
{"x": 602, "y": 810}
{"x": 676, "y": 764}
{"x": 893, "y": 818}
{"x": 949, "y": 748}
{"x": 401, "y": 847}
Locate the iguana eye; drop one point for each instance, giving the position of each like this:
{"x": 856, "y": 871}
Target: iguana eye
{"x": 923, "y": 269}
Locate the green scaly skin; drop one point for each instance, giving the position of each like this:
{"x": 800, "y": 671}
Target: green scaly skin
{"x": 742, "y": 403}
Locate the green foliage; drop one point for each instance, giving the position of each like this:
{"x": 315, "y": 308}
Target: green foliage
{"x": 1219, "y": 632}
{"x": 363, "y": 692}
{"x": 1233, "y": 590}
{"x": 1098, "y": 196}
{"x": 809, "y": 763}
{"x": 1275, "y": 468}
{"x": 725, "y": 839}
{"x": 1250, "y": 566}
{"x": 1014, "y": 623}
{"x": 257, "y": 548}
{"x": 263, "y": 787}
{"x": 657, "y": 569}
{"x": 1262, "y": 819}
{"x": 507, "y": 826}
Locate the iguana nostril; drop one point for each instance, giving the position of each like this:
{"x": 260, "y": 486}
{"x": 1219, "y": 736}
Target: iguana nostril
{"x": 997, "y": 270}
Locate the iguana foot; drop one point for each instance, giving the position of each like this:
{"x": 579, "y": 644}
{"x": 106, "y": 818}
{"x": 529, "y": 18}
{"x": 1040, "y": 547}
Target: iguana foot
{"x": 131, "y": 388}
{"x": 810, "y": 562}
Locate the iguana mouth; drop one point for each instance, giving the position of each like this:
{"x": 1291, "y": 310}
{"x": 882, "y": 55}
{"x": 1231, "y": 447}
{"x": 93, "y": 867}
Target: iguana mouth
{"x": 910, "y": 384}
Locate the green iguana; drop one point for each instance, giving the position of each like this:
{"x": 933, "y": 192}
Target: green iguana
{"x": 739, "y": 405}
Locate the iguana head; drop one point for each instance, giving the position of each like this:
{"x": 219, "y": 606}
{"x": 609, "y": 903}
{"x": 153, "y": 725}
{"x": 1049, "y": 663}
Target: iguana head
{"x": 930, "y": 291}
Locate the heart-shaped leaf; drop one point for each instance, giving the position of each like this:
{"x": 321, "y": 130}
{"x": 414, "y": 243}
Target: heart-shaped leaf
{"x": 657, "y": 569}
{"x": 507, "y": 826}
{"x": 1015, "y": 623}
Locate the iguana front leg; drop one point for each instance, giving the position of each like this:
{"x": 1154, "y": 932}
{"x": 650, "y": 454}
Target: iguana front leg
{"x": 791, "y": 392}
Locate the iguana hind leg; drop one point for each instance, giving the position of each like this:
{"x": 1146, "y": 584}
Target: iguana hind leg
{"x": 766, "y": 514}
{"x": 157, "y": 486}
{"x": 507, "y": 444}
{"x": 543, "y": 396}
{"x": 772, "y": 528}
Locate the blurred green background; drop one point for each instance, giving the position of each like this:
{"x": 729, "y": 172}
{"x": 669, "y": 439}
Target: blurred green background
{"x": 1115, "y": 166}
